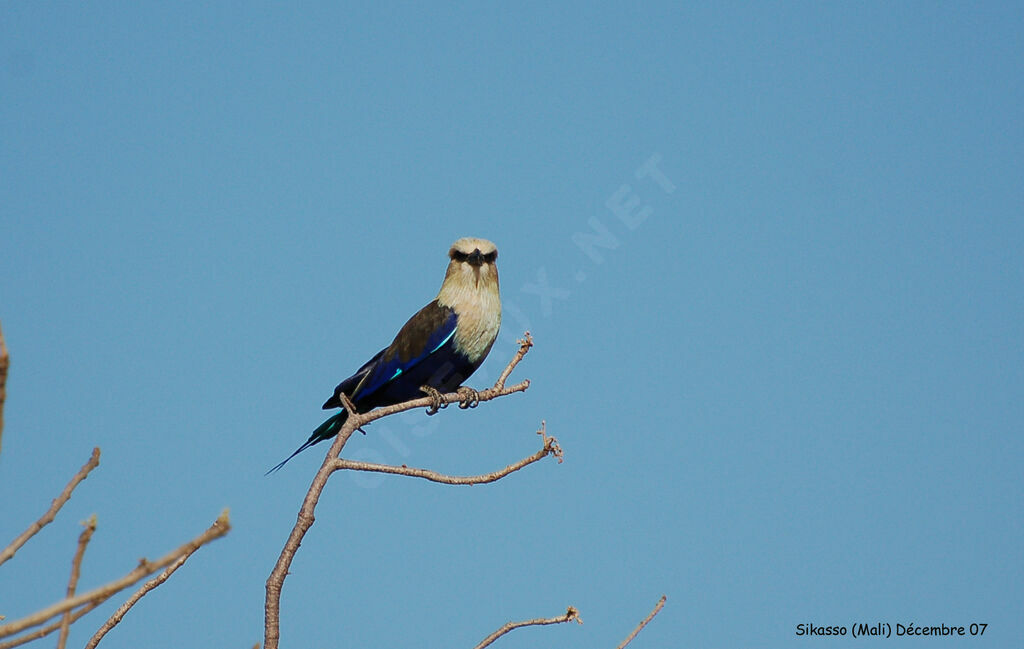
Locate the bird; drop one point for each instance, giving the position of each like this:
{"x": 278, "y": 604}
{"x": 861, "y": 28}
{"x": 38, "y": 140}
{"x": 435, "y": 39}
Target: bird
{"x": 436, "y": 350}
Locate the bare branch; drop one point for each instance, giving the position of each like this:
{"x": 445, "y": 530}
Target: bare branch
{"x": 570, "y": 614}
{"x": 47, "y": 630}
{"x": 272, "y": 605}
{"x": 145, "y": 568}
{"x": 5, "y": 363}
{"x": 451, "y": 397}
{"x": 331, "y": 463}
{"x": 76, "y": 570}
{"x": 550, "y": 447}
{"x": 124, "y": 608}
{"x": 650, "y": 616}
{"x": 58, "y": 502}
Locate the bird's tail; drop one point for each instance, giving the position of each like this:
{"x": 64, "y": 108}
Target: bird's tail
{"x": 326, "y": 430}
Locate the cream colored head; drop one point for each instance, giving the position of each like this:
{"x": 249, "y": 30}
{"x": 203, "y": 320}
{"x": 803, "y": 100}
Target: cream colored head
{"x": 471, "y": 288}
{"x": 472, "y": 269}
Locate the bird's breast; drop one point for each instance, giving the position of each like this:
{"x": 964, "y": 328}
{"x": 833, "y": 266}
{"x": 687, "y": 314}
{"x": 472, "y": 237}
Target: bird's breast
{"x": 477, "y": 327}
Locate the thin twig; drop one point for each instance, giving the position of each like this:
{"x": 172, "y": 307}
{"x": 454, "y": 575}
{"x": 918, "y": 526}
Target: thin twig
{"x": 570, "y": 615}
{"x": 5, "y": 363}
{"x": 525, "y": 343}
{"x": 145, "y": 568}
{"x": 306, "y": 516}
{"x": 650, "y": 616}
{"x": 347, "y": 404}
{"x": 550, "y": 447}
{"x": 76, "y": 570}
{"x": 493, "y": 392}
{"x": 58, "y": 502}
{"x": 50, "y": 628}
{"x": 425, "y": 402}
{"x": 136, "y": 596}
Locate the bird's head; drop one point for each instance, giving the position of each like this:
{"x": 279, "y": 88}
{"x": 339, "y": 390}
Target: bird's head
{"x": 472, "y": 265}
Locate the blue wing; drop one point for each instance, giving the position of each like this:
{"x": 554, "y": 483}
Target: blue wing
{"x": 392, "y": 363}
{"x": 427, "y": 332}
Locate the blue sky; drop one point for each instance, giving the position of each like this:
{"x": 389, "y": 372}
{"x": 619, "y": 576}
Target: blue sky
{"x": 789, "y": 390}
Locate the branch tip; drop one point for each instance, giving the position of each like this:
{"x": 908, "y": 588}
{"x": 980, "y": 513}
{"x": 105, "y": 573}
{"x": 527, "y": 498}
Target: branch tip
{"x": 51, "y": 513}
{"x": 89, "y": 526}
{"x": 571, "y": 614}
{"x": 643, "y": 623}
{"x": 550, "y": 443}
{"x": 347, "y": 404}
{"x": 224, "y": 520}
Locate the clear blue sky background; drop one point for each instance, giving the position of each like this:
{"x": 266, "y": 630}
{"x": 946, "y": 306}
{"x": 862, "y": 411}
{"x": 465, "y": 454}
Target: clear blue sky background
{"x": 792, "y": 393}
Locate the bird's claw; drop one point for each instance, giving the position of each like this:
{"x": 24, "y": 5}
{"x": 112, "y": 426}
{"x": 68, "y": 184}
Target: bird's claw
{"x": 436, "y": 397}
{"x": 468, "y": 397}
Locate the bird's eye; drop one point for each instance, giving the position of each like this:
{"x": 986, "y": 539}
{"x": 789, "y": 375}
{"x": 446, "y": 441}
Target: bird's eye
{"x": 490, "y": 257}
{"x": 459, "y": 256}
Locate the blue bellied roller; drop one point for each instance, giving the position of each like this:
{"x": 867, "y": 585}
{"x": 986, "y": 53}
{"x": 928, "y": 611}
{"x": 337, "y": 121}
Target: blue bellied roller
{"x": 436, "y": 350}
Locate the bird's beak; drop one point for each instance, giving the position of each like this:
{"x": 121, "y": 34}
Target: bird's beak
{"x": 476, "y": 260}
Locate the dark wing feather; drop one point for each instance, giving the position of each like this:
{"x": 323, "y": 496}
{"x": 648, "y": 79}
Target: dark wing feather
{"x": 422, "y": 335}
{"x": 348, "y": 386}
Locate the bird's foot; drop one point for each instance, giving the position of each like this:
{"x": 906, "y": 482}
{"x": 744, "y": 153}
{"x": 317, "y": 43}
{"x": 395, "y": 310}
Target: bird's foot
{"x": 468, "y": 397}
{"x": 436, "y": 397}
